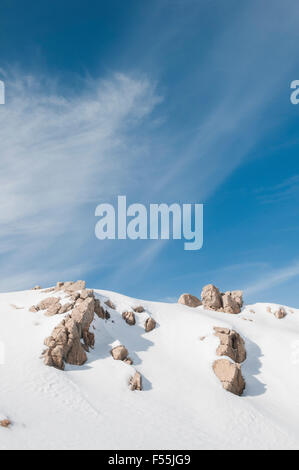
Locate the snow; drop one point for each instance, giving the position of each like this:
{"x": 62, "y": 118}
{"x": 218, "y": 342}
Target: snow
{"x": 182, "y": 406}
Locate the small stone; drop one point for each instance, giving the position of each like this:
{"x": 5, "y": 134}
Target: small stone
{"x": 136, "y": 382}
{"x": 119, "y": 353}
{"x": 150, "y": 324}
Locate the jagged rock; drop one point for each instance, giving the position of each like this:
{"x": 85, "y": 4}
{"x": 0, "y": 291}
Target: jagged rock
{"x": 34, "y": 309}
{"x": 74, "y": 286}
{"x": 101, "y": 313}
{"x": 231, "y": 344}
{"x": 139, "y": 309}
{"x": 66, "y": 307}
{"x": 128, "y": 361}
{"x": 150, "y": 324}
{"x": 211, "y": 298}
{"x": 232, "y": 302}
{"x": 230, "y": 376}
{"x": 5, "y": 423}
{"x": 110, "y": 304}
{"x": 119, "y": 353}
{"x": 64, "y": 345}
{"x": 53, "y": 310}
{"x": 229, "y": 302}
{"x": 136, "y": 382}
{"x": 59, "y": 285}
{"x": 189, "y": 300}
{"x": 280, "y": 313}
{"x": 129, "y": 318}
{"x": 36, "y": 288}
{"x": 47, "y": 303}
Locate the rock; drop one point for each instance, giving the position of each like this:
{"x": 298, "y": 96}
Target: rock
{"x": 5, "y": 423}
{"x": 110, "y": 304}
{"x": 36, "y": 288}
{"x": 64, "y": 345}
{"x": 74, "y": 286}
{"x": 101, "y": 313}
{"x": 189, "y": 300}
{"x": 66, "y": 307}
{"x": 49, "y": 302}
{"x": 34, "y": 309}
{"x": 139, "y": 309}
{"x": 229, "y": 302}
{"x": 129, "y": 318}
{"x": 119, "y": 353}
{"x": 232, "y": 302}
{"x": 128, "y": 361}
{"x": 150, "y": 324}
{"x": 53, "y": 310}
{"x": 59, "y": 285}
{"x": 280, "y": 313}
{"x": 230, "y": 375}
{"x": 231, "y": 344}
{"x": 211, "y": 298}
{"x": 136, "y": 382}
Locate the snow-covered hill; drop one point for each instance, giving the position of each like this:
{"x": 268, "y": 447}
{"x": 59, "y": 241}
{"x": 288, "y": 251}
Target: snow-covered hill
{"x": 182, "y": 404}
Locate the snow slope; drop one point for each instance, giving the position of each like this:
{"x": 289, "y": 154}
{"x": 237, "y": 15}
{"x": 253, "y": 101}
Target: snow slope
{"x": 182, "y": 406}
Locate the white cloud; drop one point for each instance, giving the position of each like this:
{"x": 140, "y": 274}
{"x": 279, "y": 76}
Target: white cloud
{"x": 275, "y": 278}
{"x": 59, "y": 154}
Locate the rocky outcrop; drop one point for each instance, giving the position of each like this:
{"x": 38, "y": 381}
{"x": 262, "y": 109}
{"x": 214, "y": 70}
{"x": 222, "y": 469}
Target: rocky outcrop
{"x": 280, "y": 313}
{"x": 129, "y": 318}
{"x": 230, "y": 375}
{"x": 36, "y": 288}
{"x": 228, "y": 302}
{"x": 231, "y": 344}
{"x": 119, "y": 353}
{"x": 150, "y": 324}
{"x": 136, "y": 382}
{"x": 64, "y": 344}
{"x": 189, "y": 300}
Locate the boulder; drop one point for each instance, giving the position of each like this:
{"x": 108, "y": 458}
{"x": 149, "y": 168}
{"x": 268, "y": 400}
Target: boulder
{"x": 189, "y": 300}
{"x": 211, "y": 298}
{"x": 136, "y": 382}
{"x": 5, "y": 423}
{"x": 231, "y": 344}
{"x": 232, "y": 302}
{"x": 66, "y": 307}
{"x": 110, "y": 304}
{"x": 119, "y": 353}
{"x": 36, "y": 288}
{"x": 150, "y": 324}
{"x": 230, "y": 375}
{"x": 229, "y": 302}
{"x": 139, "y": 309}
{"x": 129, "y": 318}
{"x": 53, "y": 310}
{"x": 101, "y": 313}
{"x": 280, "y": 313}
{"x": 128, "y": 361}
{"x": 49, "y": 302}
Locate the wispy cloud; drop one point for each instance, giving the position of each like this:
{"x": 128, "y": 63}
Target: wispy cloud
{"x": 59, "y": 154}
{"x": 274, "y": 278}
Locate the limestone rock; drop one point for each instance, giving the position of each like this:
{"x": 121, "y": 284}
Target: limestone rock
{"x": 232, "y": 302}
{"x": 5, "y": 423}
{"x": 189, "y": 300}
{"x": 110, "y": 304}
{"x": 280, "y": 313}
{"x": 47, "y": 303}
{"x": 101, "y": 313}
{"x": 230, "y": 375}
{"x": 136, "y": 382}
{"x": 150, "y": 324}
{"x": 211, "y": 298}
{"x": 119, "y": 353}
{"x": 139, "y": 309}
{"x": 231, "y": 344}
{"x": 129, "y": 318}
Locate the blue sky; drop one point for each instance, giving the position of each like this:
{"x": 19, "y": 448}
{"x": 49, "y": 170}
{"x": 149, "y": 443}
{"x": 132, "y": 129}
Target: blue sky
{"x": 162, "y": 101}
